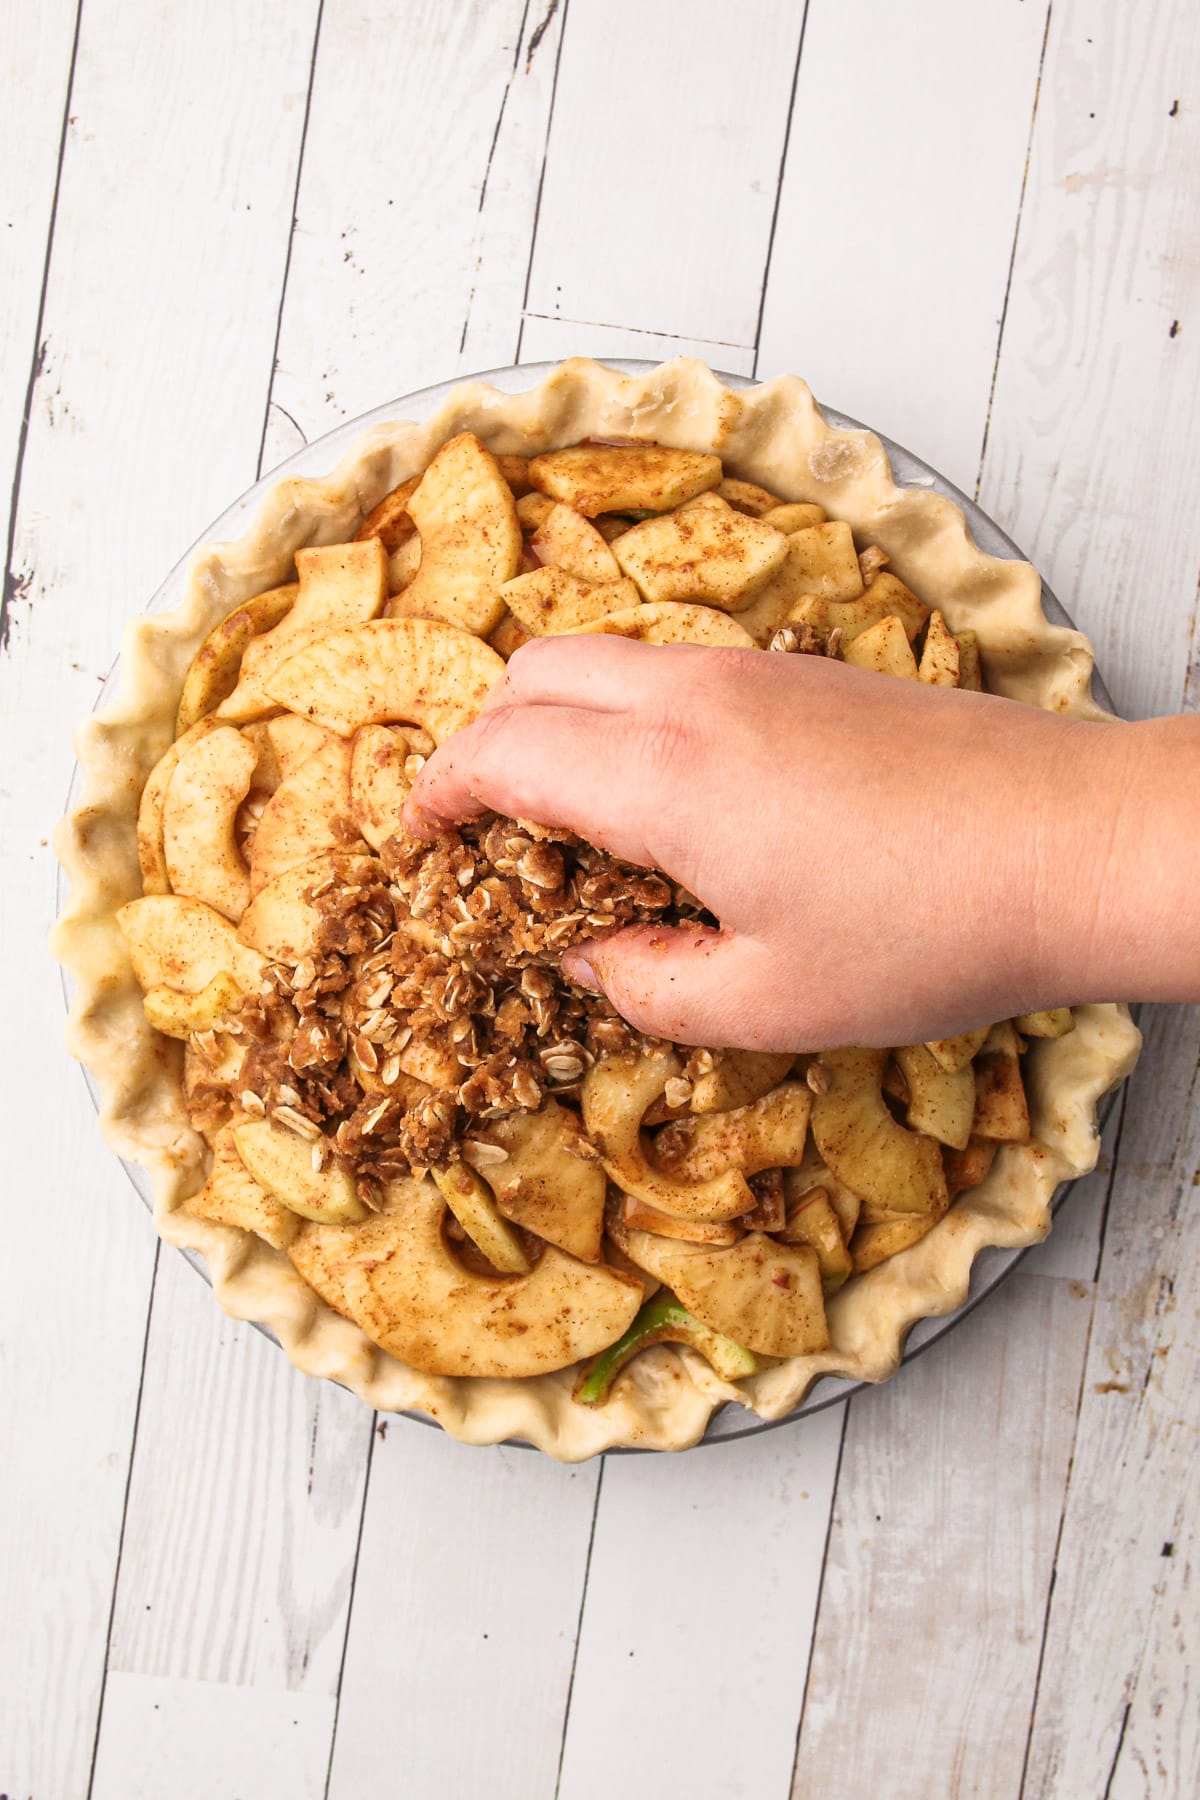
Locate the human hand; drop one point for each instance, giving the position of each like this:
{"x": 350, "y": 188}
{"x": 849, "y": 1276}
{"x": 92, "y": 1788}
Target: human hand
{"x": 890, "y": 862}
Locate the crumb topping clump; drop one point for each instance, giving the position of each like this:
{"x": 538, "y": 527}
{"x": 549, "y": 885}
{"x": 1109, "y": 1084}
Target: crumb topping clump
{"x": 435, "y": 997}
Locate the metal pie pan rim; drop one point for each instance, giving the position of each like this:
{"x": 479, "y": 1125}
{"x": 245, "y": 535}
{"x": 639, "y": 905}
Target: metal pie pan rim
{"x": 992, "y": 1264}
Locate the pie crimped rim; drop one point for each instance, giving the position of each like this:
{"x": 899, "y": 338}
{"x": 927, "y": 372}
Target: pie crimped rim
{"x": 772, "y": 434}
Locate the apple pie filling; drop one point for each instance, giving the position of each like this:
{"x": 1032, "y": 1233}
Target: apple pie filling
{"x": 481, "y": 1165}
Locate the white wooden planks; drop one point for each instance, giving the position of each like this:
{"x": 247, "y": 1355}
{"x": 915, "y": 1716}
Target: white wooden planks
{"x": 35, "y": 54}
{"x": 1117, "y": 1703}
{"x": 1093, "y": 458}
{"x": 897, "y": 214}
{"x": 207, "y": 1740}
{"x": 700, "y": 1605}
{"x": 244, "y": 1505}
{"x": 549, "y": 340}
{"x": 127, "y": 455}
{"x": 462, "y": 1631}
{"x": 416, "y": 202}
{"x": 926, "y": 1655}
{"x": 662, "y": 166}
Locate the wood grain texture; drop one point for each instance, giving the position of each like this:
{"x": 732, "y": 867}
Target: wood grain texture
{"x": 701, "y": 1598}
{"x": 206, "y": 1740}
{"x": 35, "y": 53}
{"x": 462, "y": 1632}
{"x": 1117, "y": 1704}
{"x": 1093, "y": 456}
{"x": 549, "y": 340}
{"x": 897, "y": 213}
{"x": 661, "y": 173}
{"x": 244, "y": 1505}
{"x": 136, "y": 437}
{"x": 413, "y": 224}
{"x": 940, "y": 1556}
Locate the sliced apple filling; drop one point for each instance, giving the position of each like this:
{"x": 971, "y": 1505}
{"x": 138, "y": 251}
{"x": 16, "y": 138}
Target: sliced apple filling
{"x": 482, "y": 1166}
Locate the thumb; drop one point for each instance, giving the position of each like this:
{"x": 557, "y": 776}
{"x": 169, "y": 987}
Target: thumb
{"x": 687, "y": 983}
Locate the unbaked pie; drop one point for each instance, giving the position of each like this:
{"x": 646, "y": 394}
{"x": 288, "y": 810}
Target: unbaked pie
{"x": 437, "y": 1170}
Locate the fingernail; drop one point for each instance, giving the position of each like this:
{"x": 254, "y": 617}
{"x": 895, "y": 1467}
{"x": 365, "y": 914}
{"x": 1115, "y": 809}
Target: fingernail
{"x": 579, "y": 971}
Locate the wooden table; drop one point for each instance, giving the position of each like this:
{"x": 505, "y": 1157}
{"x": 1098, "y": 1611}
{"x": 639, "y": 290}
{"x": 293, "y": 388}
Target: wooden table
{"x": 228, "y": 225}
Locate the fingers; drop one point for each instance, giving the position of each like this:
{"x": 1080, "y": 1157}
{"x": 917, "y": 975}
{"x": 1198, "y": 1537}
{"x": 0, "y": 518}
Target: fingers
{"x": 550, "y": 763}
{"x": 684, "y": 983}
{"x": 594, "y": 671}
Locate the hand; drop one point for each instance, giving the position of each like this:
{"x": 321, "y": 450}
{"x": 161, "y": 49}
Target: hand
{"x": 890, "y": 862}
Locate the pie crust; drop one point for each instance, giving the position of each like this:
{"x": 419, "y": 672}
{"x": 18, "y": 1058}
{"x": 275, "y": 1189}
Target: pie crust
{"x": 772, "y": 434}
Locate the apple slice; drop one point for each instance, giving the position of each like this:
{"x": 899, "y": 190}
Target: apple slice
{"x": 213, "y": 671}
{"x": 670, "y": 622}
{"x": 769, "y": 1133}
{"x": 663, "y": 1321}
{"x": 207, "y": 786}
{"x": 379, "y": 785}
{"x": 939, "y": 1103}
{"x": 795, "y": 515}
{"x": 305, "y": 816}
{"x": 1001, "y": 1109}
{"x": 766, "y": 1296}
{"x": 281, "y": 922}
{"x": 151, "y": 858}
{"x": 616, "y": 1093}
{"x": 182, "y": 944}
{"x": 879, "y": 1241}
{"x": 471, "y": 1202}
{"x": 737, "y": 1077}
{"x": 967, "y": 1168}
{"x": 884, "y": 649}
{"x": 706, "y": 553}
{"x": 955, "y": 1053}
{"x": 397, "y": 1278}
{"x": 470, "y": 537}
{"x": 621, "y": 478}
{"x": 747, "y": 497}
{"x": 542, "y": 1181}
{"x": 1057, "y": 1021}
{"x": 294, "y": 741}
{"x": 970, "y": 670}
{"x": 568, "y": 541}
{"x": 639, "y": 1216}
{"x": 390, "y": 520}
{"x": 939, "y": 658}
{"x": 392, "y": 670}
{"x": 865, "y": 1147}
{"x": 813, "y": 1220}
{"x": 178, "y": 1015}
{"x": 282, "y": 1162}
{"x": 231, "y": 1196}
{"x": 340, "y": 585}
{"x": 549, "y": 602}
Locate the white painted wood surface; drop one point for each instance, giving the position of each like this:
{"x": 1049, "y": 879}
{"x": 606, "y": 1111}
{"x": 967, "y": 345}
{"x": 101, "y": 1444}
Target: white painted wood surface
{"x": 976, "y": 227}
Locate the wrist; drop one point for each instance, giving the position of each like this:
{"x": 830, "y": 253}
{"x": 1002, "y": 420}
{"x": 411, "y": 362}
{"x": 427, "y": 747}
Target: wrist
{"x": 1118, "y": 866}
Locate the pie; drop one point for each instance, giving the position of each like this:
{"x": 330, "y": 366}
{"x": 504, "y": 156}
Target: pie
{"x": 440, "y": 1173}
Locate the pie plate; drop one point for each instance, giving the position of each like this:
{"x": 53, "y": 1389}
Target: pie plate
{"x": 992, "y": 1264}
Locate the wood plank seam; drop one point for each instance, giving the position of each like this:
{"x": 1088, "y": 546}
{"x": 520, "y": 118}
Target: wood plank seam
{"x": 116, "y": 1574}
{"x": 636, "y": 330}
{"x": 287, "y": 261}
{"x": 13, "y": 589}
{"x": 587, "y": 1569}
{"x": 1062, "y": 1515}
{"x": 534, "y": 41}
{"x": 783, "y": 151}
{"x": 537, "y": 208}
{"x": 812, "y": 1641}
{"x": 377, "y": 1425}
{"x": 1012, "y": 260}
{"x": 1123, "y": 1103}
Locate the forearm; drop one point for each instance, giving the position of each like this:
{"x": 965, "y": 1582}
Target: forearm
{"x": 1120, "y": 913}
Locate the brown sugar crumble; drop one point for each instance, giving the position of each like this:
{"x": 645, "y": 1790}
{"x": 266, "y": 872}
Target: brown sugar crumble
{"x": 435, "y": 1000}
